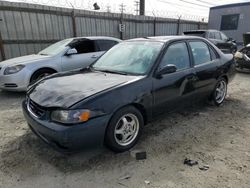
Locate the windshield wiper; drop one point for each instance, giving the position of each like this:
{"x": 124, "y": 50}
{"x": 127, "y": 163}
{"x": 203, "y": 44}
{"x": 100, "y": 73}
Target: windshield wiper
{"x": 110, "y": 71}
{"x": 44, "y": 54}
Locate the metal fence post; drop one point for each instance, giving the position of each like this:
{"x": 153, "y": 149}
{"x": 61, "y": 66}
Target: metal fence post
{"x": 178, "y": 25}
{"x": 199, "y": 25}
{"x": 2, "y": 48}
{"x": 73, "y": 22}
{"x": 121, "y": 33}
{"x": 154, "y": 26}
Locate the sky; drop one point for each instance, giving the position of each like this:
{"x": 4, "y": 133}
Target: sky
{"x": 186, "y": 9}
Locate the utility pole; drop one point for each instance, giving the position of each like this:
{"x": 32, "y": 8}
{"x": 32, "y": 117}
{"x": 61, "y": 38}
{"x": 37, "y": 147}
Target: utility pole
{"x": 108, "y": 8}
{"x": 121, "y": 26}
{"x": 178, "y": 25}
{"x": 137, "y": 4}
{"x": 122, "y": 8}
{"x": 142, "y": 7}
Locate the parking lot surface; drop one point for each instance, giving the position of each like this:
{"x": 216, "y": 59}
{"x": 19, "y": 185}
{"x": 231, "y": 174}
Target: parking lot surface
{"x": 217, "y": 137}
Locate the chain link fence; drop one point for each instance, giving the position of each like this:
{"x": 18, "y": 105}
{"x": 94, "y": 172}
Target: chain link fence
{"x": 28, "y": 28}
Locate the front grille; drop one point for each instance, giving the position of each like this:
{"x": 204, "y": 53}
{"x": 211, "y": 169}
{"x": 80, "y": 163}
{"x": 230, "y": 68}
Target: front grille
{"x": 35, "y": 109}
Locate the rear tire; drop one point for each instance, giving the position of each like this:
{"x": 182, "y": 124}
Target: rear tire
{"x": 124, "y": 129}
{"x": 219, "y": 94}
{"x": 39, "y": 74}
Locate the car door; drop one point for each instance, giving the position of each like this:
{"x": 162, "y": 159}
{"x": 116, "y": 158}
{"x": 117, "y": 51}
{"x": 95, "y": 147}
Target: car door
{"x": 174, "y": 90}
{"x": 206, "y": 62}
{"x": 86, "y": 54}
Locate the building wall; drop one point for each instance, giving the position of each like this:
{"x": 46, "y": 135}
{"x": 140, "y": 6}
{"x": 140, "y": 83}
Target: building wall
{"x": 243, "y": 9}
{"x": 28, "y": 28}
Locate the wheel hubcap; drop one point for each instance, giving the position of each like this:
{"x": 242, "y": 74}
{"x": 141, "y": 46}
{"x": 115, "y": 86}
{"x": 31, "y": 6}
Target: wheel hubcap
{"x": 126, "y": 129}
{"x": 221, "y": 91}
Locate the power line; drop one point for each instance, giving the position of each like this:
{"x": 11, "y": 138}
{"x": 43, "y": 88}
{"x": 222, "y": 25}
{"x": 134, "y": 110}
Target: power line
{"x": 178, "y": 5}
{"x": 195, "y": 4}
{"x": 206, "y": 2}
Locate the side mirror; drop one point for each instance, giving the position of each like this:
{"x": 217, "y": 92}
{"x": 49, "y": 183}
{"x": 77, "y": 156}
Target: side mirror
{"x": 71, "y": 52}
{"x": 166, "y": 70}
{"x": 231, "y": 39}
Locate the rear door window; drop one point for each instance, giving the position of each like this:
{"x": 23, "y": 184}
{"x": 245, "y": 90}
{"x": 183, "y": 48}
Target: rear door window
{"x": 104, "y": 45}
{"x": 224, "y": 37}
{"x": 211, "y": 35}
{"x": 200, "y": 51}
{"x": 176, "y": 54}
{"x": 217, "y": 35}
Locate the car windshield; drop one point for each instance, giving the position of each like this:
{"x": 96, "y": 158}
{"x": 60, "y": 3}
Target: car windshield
{"x": 55, "y": 48}
{"x": 129, "y": 57}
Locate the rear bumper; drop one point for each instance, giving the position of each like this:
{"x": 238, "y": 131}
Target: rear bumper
{"x": 68, "y": 138}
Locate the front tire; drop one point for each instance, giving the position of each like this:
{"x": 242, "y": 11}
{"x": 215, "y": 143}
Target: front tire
{"x": 124, "y": 129}
{"x": 38, "y": 75}
{"x": 220, "y": 92}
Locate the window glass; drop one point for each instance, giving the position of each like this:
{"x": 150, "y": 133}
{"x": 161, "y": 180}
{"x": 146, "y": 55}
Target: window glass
{"x": 83, "y": 46}
{"x": 211, "y": 35}
{"x": 55, "y": 48}
{"x": 213, "y": 54}
{"x": 176, "y": 54}
{"x": 200, "y": 52}
{"x": 105, "y": 45}
{"x": 217, "y": 35}
{"x": 129, "y": 57}
{"x": 224, "y": 37}
{"x": 229, "y": 22}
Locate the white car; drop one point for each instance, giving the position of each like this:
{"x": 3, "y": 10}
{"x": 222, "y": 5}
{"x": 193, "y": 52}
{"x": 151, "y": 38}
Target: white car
{"x": 70, "y": 54}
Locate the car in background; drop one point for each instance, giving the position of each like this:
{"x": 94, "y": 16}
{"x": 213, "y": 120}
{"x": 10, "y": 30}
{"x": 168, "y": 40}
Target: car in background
{"x": 74, "y": 53}
{"x": 242, "y": 58}
{"x": 218, "y": 38}
{"x": 135, "y": 81}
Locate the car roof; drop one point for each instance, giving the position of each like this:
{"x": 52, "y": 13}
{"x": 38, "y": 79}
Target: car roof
{"x": 165, "y": 38}
{"x": 202, "y": 30}
{"x": 98, "y": 37}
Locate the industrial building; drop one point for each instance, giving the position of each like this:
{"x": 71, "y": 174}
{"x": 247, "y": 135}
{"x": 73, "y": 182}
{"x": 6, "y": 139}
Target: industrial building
{"x": 232, "y": 19}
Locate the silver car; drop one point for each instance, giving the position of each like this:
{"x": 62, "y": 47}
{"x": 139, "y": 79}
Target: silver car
{"x": 70, "y": 54}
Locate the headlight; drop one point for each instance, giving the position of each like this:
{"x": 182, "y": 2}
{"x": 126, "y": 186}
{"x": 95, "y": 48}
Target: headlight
{"x": 13, "y": 69}
{"x": 73, "y": 116}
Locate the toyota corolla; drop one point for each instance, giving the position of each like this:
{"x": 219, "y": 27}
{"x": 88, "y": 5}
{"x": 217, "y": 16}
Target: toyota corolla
{"x": 110, "y": 101}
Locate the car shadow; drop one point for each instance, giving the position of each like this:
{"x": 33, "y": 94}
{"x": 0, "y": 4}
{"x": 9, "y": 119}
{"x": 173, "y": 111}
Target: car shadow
{"x": 11, "y": 95}
{"x": 243, "y": 71}
{"x": 26, "y": 153}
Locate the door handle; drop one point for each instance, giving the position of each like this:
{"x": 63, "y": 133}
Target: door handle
{"x": 94, "y": 56}
{"x": 192, "y": 78}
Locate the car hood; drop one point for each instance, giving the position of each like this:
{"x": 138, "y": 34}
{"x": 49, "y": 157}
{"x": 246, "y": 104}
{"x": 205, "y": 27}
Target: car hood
{"x": 24, "y": 60}
{"x": 64, "y": 90}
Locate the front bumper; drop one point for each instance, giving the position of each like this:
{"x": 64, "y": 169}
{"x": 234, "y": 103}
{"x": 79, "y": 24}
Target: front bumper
{"x": 15, "y": 82}
{"x": 68, "y": 138}
{"x": 242, "y": 64}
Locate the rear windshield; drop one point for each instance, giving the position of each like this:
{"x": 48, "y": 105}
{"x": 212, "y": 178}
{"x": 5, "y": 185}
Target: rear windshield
{"x": 195, "y": 33}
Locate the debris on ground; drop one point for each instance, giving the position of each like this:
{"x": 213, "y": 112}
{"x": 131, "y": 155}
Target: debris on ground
{"x": 139, "y": 154}
{"x": 204, "y": 167}
{"x": 147, "y": 182}
{"x": 190, "y": 162}
{"x": 125, "y": 177}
